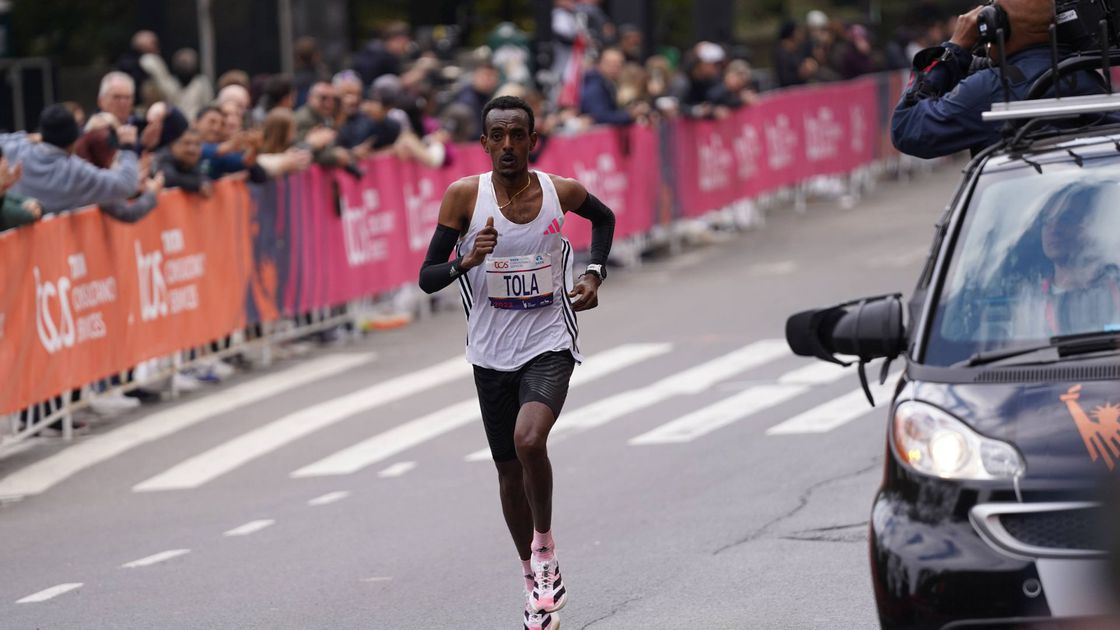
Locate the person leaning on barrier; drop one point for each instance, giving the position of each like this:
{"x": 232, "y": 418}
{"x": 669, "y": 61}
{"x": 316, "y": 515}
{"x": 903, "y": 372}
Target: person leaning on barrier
{"x": 15, "y": 210}
{"x": 180, "y": 158}
{"x": 99, "y": 147}
{"x": 940, "y": 113}
{"x": 61, "y": 180}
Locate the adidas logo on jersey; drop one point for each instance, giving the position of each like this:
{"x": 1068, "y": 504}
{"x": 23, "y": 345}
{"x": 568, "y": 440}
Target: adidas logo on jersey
{"x": 554, "y": 227}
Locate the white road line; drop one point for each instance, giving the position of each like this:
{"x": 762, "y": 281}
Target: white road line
{"x": 44, "y": 474}
{"x": 49, "y": 593}
{"x": 251, "y": 527}
{"x": 162, "y": 556}
{"x": 392, "y": 442}
{"x": 328, "y": 498}
{"x": 396, "y": 470}
{"x": 727, "y": 411}
{"x": 403, "y": 437}
{"x": 220, "y": 460}
{"x": 781, "y": 268}
{"x": 691, "y": 381}
{"x": 742, "y": 405}
{"x": 835, "y": 413}
{"x": 911, "y": 256}
{"x": 816, "y": 373}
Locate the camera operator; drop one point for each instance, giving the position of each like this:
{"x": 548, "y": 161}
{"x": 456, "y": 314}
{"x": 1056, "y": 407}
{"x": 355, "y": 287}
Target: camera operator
{"x": 940, "y": 112}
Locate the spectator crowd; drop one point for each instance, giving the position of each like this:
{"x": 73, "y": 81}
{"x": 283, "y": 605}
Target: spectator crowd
{"x": 161, "y": 123}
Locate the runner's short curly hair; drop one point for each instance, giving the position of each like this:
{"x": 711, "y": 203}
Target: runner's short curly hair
{"x": 508, "y": 102}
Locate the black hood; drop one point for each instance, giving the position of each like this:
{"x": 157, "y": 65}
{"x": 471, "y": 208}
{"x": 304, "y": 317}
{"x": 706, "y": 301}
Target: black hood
{"x": 1054, "y": 424}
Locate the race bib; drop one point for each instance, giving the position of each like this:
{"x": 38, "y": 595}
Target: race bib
{"x": 519, "y": 282}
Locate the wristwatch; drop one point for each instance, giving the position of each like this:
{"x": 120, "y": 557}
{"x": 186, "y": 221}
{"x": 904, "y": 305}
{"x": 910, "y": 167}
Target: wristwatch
{"x": 598, "y": 270}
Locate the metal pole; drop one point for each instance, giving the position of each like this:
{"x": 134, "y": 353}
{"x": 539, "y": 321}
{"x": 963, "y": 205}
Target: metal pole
{"x": 287, "y": 59}
{"x": 206, "y": 39}
{"x": 15, "y": 76}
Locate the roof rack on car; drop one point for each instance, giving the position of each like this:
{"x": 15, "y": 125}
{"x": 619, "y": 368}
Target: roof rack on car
{"x": 1066, "y": 107}
{"x": 1073, "y": 27}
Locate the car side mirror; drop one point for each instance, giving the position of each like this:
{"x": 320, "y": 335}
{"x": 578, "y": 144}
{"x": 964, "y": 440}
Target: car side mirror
{"x": 870, "y": 328}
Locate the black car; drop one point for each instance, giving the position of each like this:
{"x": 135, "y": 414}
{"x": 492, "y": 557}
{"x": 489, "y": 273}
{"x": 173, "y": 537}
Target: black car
{"x": 1005, "y": 425}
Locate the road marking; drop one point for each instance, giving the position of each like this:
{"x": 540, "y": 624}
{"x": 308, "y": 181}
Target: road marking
{"x": 328, "y": 498}
{"x": 691, "y": 381}
{"x": 396, "y": 470}
{"x": 815, "y": 373}
{"x": 162, "y": 556}
{"x": 43, "y": 475}
{"x": 907, "y": 258}
{"x": 837, "y": 412}
{"x": 220, "y": 460}
{"x": 727, "y": 411}
{"x": 781, "y": 268}
{"x": 377, "y": 579}
{"x": 251, "y": 527}
{"x": 742, "y": 405}
{"x": 50, "y": 593}
{"x": 403, "y": 437}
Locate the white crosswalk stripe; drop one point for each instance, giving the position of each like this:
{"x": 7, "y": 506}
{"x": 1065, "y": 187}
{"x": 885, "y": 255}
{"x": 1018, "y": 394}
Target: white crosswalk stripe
{"x": 50, "y": 593}
{"x": 734, "y": 401}
{"x": 414, "y": 432}
{"x": 742, "y": 405}
{"x": 691, "y": 381}
{"x": 44, "y": 474}
{"x": 220, "y": 460}
{"x": 837, "y": 412}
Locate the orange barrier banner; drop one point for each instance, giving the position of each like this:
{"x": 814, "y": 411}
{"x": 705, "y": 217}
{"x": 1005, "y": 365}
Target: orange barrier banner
{"x": 84, "y": 296}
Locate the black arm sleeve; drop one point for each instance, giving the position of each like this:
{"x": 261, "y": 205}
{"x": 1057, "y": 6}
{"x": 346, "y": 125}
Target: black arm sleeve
{"x": 436, "y": 272}
{"x": 602, "y": 228}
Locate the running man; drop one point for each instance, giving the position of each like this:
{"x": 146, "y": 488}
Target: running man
{"x": 514, "y": 269}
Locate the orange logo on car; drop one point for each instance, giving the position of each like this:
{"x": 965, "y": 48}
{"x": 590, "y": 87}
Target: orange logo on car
{"x": 1101, "y": 431}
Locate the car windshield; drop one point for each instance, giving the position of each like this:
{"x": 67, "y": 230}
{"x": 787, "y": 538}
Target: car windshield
{"x": 1038, "y": 257}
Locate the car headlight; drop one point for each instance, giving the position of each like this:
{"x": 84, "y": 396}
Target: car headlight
{"x": 935, "y": 443}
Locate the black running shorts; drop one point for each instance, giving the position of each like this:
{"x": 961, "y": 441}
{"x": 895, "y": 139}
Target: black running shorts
{"x": 501, "y": 395}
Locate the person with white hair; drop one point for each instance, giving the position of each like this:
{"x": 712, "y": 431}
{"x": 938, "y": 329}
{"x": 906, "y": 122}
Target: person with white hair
{"x": 235, "y": 93}
{"x": 116, "y": 96}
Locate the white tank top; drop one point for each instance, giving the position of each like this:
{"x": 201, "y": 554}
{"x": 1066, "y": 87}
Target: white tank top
{"x": 517, "y": 301}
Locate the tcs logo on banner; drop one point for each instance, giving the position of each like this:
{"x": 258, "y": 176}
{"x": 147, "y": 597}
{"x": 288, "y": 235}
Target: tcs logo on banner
{"x": 366, "y": 230}
{"x": 781, "y": 143}
{"x": 421, "y": 204}
{"x": 823, "y": 134}
{"x": 716, "y": 161}
{"x": 65, "y": 312}
{"x": 605, "y": 179}
{"x": 748, "y": 148}
{"x": 167, "y": 286}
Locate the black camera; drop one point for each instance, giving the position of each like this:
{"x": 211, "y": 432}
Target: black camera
{"x": 990, "y": 21}
{"x": 1079, "y": 24}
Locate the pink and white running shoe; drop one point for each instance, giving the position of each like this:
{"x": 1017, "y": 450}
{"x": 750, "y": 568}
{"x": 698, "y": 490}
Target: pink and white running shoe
{"x": 540, "y": 620}
{"x": 549, "y": 594}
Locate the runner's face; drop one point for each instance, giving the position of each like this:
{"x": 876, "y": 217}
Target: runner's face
{"x": 508, "y": 141}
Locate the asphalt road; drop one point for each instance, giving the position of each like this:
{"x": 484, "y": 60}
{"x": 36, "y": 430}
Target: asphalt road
{"x": 677, "y": 504}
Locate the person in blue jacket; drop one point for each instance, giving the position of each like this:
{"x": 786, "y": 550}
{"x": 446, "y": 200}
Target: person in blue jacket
{"x": 940, "y": 113}
{"x": 599, "y": 98}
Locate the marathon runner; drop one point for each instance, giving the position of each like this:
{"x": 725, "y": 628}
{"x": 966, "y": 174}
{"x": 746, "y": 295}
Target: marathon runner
{"x": 514, "y": 269}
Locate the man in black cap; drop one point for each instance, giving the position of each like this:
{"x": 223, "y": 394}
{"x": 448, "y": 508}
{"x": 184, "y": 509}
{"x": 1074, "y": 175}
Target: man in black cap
{"x": 59, "y": 179}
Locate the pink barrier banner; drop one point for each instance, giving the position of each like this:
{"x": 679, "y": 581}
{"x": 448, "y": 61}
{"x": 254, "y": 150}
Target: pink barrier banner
{"x": 619, "y": 166}
{"x": 86, "y": 296}
{"x": 784, "y": 139}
